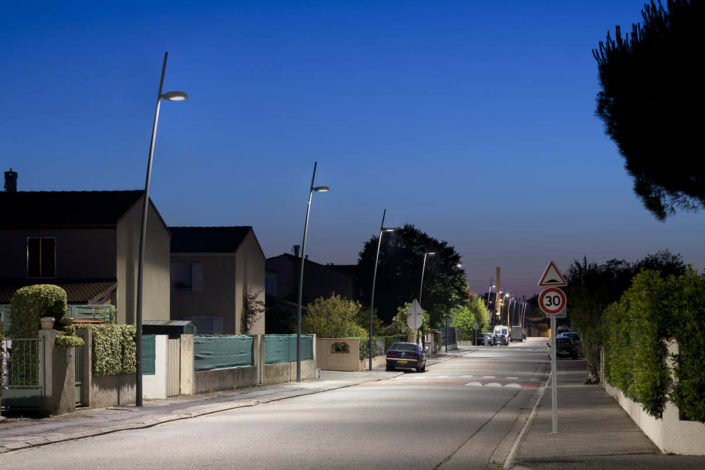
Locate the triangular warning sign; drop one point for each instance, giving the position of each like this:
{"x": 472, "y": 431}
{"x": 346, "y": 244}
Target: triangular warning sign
{"x": 552, "y": 277}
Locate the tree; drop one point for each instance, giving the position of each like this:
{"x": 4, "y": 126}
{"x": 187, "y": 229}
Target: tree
{"x": 465, "y": 316}
{"x": 650, "y": 101}
{"x": 399, "y": 273}
{"x": 253, "y": 307}
{"x": 400, "y": 326}
{"x": 592, "y": 288}
{"x": 334, "y": 317}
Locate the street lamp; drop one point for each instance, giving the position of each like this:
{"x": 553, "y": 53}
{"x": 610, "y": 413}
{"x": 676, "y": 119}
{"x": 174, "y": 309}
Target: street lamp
{"x": 169, "y": 96}
{"x": 489, "y": 292}
{"x": 382, "y": 231}
{"x": 312, "y": 189}
{"x": 423, "y": 269}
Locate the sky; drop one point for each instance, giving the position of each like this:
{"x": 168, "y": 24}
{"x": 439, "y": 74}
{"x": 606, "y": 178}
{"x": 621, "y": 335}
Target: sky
{"x": 472, "y": 120}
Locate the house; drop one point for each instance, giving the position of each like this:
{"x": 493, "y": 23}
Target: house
{"x": 320, "y": 280}
{"x": 86, "y": 242}
{"x": 217, "y": 279}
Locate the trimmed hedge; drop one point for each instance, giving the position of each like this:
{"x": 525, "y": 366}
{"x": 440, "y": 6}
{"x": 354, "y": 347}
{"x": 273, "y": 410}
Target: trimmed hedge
{"x": 31, "y": 303}
{"x": 635, "y": 328}
{"x": 114, "y": 351}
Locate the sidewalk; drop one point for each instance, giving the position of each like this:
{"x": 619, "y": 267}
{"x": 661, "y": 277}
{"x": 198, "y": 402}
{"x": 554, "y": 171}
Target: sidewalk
{"x": 21, "y": 433}
{"x": 593, "y": 432}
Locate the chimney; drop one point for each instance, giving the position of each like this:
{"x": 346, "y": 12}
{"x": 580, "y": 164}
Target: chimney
{"x": 11, "y": 181}
{"x": 296, "y": 250}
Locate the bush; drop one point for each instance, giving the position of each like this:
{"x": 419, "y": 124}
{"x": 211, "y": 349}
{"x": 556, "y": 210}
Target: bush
{"x": 114, "y": 351}
{"x": 334, "y": 317}
{"x": 31, "y": 303}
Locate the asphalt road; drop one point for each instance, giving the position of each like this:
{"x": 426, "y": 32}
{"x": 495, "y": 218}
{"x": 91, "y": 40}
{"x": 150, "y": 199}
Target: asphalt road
{"x": 460, "y": 413}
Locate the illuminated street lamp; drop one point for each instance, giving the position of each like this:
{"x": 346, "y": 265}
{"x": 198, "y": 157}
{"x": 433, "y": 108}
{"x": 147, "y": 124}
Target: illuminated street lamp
{"x": 382, "y": 231}
{"x": 169, "y": 96}
{"x": 312, "y": 189}
{"x": 423, "y": 269}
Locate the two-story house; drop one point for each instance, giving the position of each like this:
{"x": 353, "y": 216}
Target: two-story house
{"x": 86, "y": 242}
{"x": 217, "y": 276}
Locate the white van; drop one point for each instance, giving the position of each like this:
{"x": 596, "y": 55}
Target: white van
{"x": 501, "y": 332}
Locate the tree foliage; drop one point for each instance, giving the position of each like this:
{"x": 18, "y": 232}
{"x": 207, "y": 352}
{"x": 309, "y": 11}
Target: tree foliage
{"x": 465, "y": 316}
{"x": 650, "y": 101}
{"x": 399, "y": 273}
{"x": 253, "y": 307}
{"x": 592, "y": 288}
{"x": 399, "y": 324}
{"x": 334, "y": 317}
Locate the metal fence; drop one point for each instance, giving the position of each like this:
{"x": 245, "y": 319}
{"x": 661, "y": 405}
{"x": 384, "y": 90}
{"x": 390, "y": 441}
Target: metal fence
{"x": 23, "y": 374}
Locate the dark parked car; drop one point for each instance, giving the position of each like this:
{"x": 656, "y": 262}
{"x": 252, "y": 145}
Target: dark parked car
{"x": 406, "y": 356}
{"x": 576, "y": 340}
{"x": 485, "y": 339}
{"x": 565, "y": 346}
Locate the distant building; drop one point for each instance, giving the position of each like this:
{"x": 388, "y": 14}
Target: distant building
{"x": 213, "y": 270}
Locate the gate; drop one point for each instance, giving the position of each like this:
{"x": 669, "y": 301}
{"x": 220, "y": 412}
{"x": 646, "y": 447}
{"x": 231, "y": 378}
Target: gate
{"x": 23, "y": 374}
{"x": 78, "y": 373}
{"x": 173, "y": 367}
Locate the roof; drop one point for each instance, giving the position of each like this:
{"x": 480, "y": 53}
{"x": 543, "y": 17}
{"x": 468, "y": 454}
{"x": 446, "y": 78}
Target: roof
{"x": 77, "y": 292}
{"x": 65, "y": 208}
{"x": 207, "y": 239}
{"x": 167, "y": 322}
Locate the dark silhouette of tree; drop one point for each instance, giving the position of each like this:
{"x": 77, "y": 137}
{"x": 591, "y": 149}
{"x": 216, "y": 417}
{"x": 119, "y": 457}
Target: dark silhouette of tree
{"x": 592, "y": 287}
{"x": 652, "y": 103}
{"x": 399, "y": 274}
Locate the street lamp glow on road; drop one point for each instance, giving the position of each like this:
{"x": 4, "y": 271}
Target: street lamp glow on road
{"x": 169, "y": 96}
{"x": 312, "y": 189}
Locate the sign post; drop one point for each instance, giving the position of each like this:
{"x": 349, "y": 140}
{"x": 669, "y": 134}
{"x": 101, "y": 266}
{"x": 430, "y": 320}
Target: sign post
{"x": 553, "y": 302}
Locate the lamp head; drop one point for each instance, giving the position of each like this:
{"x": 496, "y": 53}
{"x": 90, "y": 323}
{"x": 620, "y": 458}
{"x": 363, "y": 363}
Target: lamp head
{"x": 175, "y": 96}
{"x": 389, "y": 229}
{"x": 321, "y": 189}
{"x": 430, "y": 253}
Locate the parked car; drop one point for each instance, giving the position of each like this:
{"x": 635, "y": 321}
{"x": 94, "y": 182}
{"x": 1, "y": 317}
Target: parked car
{"x": 576, "y": 340}
{"x": 406, "y": 356}
{"x": 485, "y": 339}
{"x": 565, "y": 347}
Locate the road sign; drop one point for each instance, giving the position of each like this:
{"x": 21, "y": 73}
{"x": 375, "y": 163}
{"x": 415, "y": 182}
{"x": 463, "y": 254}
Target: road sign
{"x": 475, "y": 326}
{"x": 414, "y": 321}
{"x": 552, "y": 300}
{"x": 414, "y": 308}
{"x": 552, "y": 277}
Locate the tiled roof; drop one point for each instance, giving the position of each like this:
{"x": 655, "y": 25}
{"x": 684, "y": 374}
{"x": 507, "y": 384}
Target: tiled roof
{"x": 77, "y": 292}
{"x": 207, "y": 239}
{"x": 65, "y": 208}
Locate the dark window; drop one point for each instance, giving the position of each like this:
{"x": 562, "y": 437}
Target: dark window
{"x": 41, "y": 257}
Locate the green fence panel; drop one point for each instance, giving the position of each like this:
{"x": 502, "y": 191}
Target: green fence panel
{"x": 222, "y": 352}
{"x": 148, "y": 354}
{"x": 279, "y": 349}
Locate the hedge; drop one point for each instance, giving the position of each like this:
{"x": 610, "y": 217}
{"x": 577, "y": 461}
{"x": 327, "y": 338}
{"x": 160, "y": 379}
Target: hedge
{"x": 31, "y": 303}
{"x": 652, "y": 310}
{"x": 114, "y": 351}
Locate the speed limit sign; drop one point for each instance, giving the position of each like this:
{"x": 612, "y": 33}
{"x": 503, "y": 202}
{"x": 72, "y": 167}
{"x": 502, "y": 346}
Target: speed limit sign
{"x": 552, "y": 300}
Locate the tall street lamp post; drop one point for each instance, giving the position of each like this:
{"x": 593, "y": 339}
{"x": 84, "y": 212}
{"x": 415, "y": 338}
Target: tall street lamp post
{"x": 423, "y": 269}
{"x": 382, "y": 230}
{"x": 169, "y": 96}
{"x": 312, "y": 189}
{"x": 489, "y": 292}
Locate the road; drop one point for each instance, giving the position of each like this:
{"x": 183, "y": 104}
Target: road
{"x": 460, "y": 413}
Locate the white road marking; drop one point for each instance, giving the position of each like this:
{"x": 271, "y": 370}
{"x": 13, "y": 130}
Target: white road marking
{"x": 512, "y": 385}
{"x": 474, "y": 384}
{"x": 488, "y": 377}
{"x": 493, "y": 384}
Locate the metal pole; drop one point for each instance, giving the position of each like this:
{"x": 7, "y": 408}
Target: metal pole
{"x": 489, "y": 292}
{"x": 423, "y": 269}
{"x": 143, "y": 236}
{"x": 554, "y": 375}
{"x": 447, "y": 332}
{"x": 301, "y": 280}
{"x": 374, "y": 280}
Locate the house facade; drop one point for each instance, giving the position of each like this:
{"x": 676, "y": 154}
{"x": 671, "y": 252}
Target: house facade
{"x": 88, "y": 243}
{"x": 217, "y": 276}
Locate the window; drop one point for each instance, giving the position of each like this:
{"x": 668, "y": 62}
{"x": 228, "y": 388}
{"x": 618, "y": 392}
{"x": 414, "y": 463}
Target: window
{"x": 41, "y": 257}
{"x": 186, "y": 277}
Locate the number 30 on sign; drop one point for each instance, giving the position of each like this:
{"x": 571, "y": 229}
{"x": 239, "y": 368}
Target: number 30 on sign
{"x": 552, "y": 300}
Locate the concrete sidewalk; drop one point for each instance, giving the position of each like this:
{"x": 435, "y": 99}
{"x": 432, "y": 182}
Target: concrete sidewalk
{"x": 20, "y": 433}
{"x": 594, "y": 432}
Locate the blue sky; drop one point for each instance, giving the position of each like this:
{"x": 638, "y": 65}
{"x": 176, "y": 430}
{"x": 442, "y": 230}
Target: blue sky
{"x": 473, "y": 120}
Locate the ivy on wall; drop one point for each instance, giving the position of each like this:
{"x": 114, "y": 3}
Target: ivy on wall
{"x": 114, "y": 351}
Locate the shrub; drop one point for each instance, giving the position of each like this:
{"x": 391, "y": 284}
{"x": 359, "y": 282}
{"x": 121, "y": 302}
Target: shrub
{"x": 114, "y": 351}
{"x": 31, "y": 303}
{"x": 334, "y": 317}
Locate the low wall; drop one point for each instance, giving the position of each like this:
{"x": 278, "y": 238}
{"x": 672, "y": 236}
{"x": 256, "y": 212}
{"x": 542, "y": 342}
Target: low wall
{"x": 286, "y": 372}
{"x": 377, "y": 362}
{"x": 58, "y": 377}
{"x": 208, "y": 381}
{"x": 113, "y": 390}
{"x": 341, "y": 354}
{"x": 670, "y": 433}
